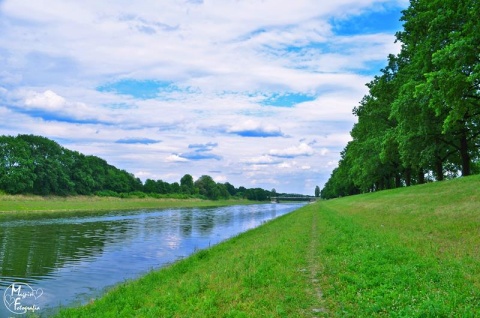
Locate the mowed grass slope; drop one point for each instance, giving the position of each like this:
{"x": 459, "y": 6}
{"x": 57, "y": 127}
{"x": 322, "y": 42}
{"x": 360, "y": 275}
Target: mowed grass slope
{"x": 410, "y": 252}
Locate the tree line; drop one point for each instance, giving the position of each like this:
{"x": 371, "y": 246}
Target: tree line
{"x": 37, "y": 165}
{"x": 420, "y": 120}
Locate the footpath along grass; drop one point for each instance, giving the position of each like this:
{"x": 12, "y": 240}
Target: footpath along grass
{"x": 410, "y": 252}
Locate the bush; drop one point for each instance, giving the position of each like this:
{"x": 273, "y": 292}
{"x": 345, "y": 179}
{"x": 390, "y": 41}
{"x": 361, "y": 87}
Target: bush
{"x": 107, "y": 193}
{"x": 137, "y": 194}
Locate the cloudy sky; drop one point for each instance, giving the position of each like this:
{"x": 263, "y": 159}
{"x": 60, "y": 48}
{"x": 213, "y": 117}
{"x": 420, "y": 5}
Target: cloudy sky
{"x": 258, "y": 93}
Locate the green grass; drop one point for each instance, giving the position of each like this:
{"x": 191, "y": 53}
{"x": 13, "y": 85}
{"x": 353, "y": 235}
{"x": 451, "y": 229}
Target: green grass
{"x": 256, "y": 274}
{"x": 411, "y": 252}
{"x": 29, "y": 205}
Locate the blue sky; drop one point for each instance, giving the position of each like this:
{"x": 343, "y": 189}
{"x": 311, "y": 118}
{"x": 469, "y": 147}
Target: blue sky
{"x": 256, "y": 93}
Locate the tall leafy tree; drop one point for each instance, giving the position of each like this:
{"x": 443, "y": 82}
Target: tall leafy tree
{"x": 207, "y": 187}
{"x": 186, "y": 183}
{"x": 51, "y": 165}
{"x": 440, "y": 48}
{"x": 453, "y": 85}
{"x": 421, "y": 116}
{"x": 341, "y": 181}
{"x": 374, "y": 151}
{"x": 16, "y": 166}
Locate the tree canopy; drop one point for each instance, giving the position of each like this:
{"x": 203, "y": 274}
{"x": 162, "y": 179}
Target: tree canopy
{"x": 420, "y": 120}
{"x": 37, "y": 165}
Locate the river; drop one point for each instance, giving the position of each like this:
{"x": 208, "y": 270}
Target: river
{"x": 63, "y": 261}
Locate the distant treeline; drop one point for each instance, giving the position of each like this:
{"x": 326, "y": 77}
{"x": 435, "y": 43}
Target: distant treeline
{"x": 37, "y": 165}
{"x": 421, "y": 119}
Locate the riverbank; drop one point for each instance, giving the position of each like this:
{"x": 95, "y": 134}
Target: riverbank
{"x": 38, "y": 205}
{"x": 409, "y": 252}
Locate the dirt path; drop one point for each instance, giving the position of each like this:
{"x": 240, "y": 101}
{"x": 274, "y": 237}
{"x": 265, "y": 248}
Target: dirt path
{"x": 314, "y": 267}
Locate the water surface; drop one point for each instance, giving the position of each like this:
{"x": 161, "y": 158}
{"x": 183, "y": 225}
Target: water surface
{"x": 69, "y": 260}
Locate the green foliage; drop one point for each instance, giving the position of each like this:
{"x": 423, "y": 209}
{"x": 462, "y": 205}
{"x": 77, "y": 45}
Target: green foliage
{"x": 421, "y": 118}
{"x": 16, "y": 173}
{"x": 186, "y": 183}
{"x": 36, "y": 165}
{"x": 107, "y": 193}
{"x": 208, "y": 188}
{"x": 257, "y": 194}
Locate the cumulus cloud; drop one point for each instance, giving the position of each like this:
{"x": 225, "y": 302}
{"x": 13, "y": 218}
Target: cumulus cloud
{"x": 217, "y": 82}
{"x": 296, "y": 151}
{"x": 47, "y": 100}
{"x": 49, "y": 105}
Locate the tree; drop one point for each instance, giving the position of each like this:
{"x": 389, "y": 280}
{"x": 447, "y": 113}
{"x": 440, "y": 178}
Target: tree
{"x": 340, "y": 182}
{"x": 222, "y": 191}
{"x": 37, "y": 165}
{"x": 151, "y": 186}
{"x": 441, "y": 53}
{"x": 186, "y": 184}
{"x": 230, "y": 188}
{"x": 16, "y": 166}
{"x": 175, "y": 187}
{"x": 453, "y": 85}
{"x": 373, "y": 153}
{"x": 421, "y": 116}
{"x": 317, "y": 191}
{"x": 207, "y": 187}
{"x": 257, "y": 194}
{"x": 51, "y": 166}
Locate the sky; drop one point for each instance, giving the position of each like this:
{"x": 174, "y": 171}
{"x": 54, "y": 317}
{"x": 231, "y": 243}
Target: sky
{"x": 258, "y": 93}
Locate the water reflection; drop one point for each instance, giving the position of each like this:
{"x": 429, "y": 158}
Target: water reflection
{"x": 75, "y": 258}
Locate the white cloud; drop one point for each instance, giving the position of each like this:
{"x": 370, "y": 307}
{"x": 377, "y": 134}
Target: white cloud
{"x": 175, "y": 158}
{"x": 261, "y": 160}
{"x": 221, "y": 58}
{"x": 324, "y": 151}
{"x": 285, "y": 165}
{"x": 47, "y": 100}
{"x": 251, "y": 128}
{"x": 220, "y": 178}
{"x": 296, "y": 151}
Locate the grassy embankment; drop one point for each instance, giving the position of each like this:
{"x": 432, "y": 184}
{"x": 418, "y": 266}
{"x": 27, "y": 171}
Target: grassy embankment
{"x": 411, "y": 252}
{"x": 28, "y": 205}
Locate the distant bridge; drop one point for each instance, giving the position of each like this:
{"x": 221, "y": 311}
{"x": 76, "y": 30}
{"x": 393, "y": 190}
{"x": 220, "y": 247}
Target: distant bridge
{"x": 278, "y": 199}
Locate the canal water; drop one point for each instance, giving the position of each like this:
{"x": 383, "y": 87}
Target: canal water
{"x": 63, "y": 261}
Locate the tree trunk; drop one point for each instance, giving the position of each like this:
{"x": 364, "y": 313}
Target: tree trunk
{"x": 398, "y": 181}
{"x": 421, "y": 176}
{"x": 439, "y": 170}
{"x": 465, "y": 155}
{"x": 408, "y": 177}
